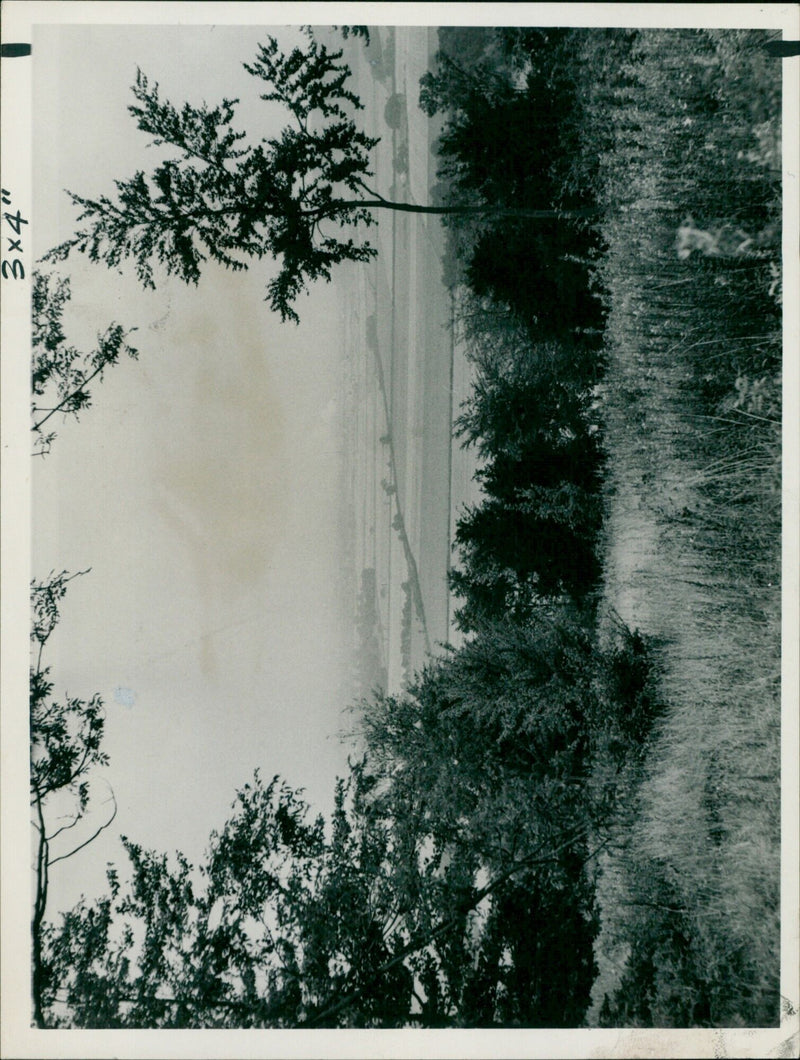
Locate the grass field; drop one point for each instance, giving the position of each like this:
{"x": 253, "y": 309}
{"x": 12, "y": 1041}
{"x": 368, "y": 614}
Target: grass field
{"x": 690, "y": 182}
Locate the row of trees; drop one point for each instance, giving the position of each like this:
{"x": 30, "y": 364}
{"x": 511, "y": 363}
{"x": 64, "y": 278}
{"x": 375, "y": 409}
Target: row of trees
{"x": 529, "y": 315}
{"x": 535, "y": 532}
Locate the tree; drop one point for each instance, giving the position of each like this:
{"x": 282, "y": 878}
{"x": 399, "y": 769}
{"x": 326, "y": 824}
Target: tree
{"x": 61, "y": 373}
{"x": 458, "y": 82}
{"x": 484, "y": 760}
{"x": 541, "y": 541}
{"x": 488, "y": 590}
{"x": 289, "y": 197}
{"x": 508, "y": 98}
{"x": 535, "y": 531}
{"x": 173, "y": 949}
{"x": 512, "y": 702}
{"x": 277, "y": 926}
{"x": 65, "y": 737}
{"x": 66, "y": 740}
{"x": 541, "y": 275}
{"x": 287, "y": 922}
{"x": 509, "y": 102}
{"x": 536, "y": 965}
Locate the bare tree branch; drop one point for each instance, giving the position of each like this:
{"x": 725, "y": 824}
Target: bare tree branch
{"x": 102, "y": 828}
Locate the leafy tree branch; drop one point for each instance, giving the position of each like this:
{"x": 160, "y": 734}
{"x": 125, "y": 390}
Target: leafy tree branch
{"x": 61, "y": 373}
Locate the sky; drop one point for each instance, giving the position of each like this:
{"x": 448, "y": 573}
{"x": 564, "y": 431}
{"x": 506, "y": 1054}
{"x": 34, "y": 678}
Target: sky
{"x": 201, "y": 487}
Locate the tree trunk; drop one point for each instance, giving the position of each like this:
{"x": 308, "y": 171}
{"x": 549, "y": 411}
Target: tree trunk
{"x": 465, "y": 211}
{"x": 40, "y": 905}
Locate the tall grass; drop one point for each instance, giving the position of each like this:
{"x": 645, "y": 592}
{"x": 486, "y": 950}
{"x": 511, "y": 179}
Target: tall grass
{"x": 689, "y": 180}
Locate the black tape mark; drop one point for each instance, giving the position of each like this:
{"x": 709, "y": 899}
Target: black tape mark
{"x": 14, "y": 51}
{"x": 782, "y": 49}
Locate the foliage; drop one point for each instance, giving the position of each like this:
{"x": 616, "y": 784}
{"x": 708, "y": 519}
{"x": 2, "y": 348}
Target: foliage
{"x": 541, "y": 274}
{"x": 280, "y": 926}
{"x": 483, "y": 757}
{"x": 452, "y": 886}
{"x": 528, "y": 417}
{"x": 457, "y": 85}
{"x": 513, "y": 700}
{"x": 675, "y": 134}
{"x": 678, "y": 972}
{"x": 630, "y": 685}
{"x": 224, "y": 201}
{"x": 547, "y": 922}
{"x": 284, "y": 924}
{"x": 439, "y": 894}
{"x": 509, "y": 98}
{"x": 65, "y": 737}
{"x": 356, "y": 31}
{"x": 66, "y": 747}
{"x": 505, "y": 109}
{"x": 531, "y": 543}
{"x": 173, "y": 949}
{"x": 61, "y": 373}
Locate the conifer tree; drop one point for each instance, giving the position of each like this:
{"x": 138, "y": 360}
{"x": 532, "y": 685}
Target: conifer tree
{"x": 291, "y": 197}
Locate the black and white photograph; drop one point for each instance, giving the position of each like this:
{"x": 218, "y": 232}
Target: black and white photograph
{"x": 400, "y": 443}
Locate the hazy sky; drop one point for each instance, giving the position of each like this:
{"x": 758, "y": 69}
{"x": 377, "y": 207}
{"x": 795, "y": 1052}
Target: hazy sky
{"x": 201, "y": 488}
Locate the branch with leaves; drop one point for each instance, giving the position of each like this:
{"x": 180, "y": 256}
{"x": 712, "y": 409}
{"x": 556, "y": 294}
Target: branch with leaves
{"x": 61, "y": 373}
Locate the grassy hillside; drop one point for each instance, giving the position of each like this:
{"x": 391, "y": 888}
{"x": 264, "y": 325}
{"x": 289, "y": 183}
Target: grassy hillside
{"x": 690, "y": 405}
